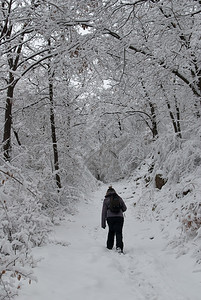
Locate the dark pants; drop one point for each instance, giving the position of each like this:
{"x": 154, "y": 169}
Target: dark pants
{"x": 115, "y": 229}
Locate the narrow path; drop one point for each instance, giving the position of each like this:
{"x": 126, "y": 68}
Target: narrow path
{"x": 77, "y": 266}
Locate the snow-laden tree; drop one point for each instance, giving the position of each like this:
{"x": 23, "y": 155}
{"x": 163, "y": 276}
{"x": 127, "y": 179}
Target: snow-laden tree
{"x": 156, "y": 45}
{"x": 26, "y": 27}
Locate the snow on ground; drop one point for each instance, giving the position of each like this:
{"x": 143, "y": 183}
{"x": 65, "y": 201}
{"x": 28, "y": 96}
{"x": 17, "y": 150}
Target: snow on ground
{"x": 76, "y": 265}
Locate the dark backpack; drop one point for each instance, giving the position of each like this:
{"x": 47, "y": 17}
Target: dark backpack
{"x": 114, "y": 204}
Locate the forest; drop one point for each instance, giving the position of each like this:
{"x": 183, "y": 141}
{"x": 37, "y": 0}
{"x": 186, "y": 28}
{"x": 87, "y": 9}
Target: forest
{"x": 93, "y": 91}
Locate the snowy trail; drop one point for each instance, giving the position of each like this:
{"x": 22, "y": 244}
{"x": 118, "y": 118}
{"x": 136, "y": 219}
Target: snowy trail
{"x": 78, "y": 266}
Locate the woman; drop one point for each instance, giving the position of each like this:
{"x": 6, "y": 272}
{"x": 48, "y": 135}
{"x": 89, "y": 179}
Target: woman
{"x": 112, "y": 212}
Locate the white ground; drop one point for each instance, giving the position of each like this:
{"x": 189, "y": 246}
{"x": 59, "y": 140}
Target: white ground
{"x": 77, "y": 266}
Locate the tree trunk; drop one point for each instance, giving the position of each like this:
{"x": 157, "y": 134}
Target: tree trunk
{"x": 153, "y": 127}
{"x": 53, "y": 128}
{"x": 175, "y": 121}
{"x": 8, "y": 120}
{"x": 178, "y": 120}
{"x": 153, "y": 120}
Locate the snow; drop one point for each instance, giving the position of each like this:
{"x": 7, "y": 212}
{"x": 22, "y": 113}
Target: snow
{"x": 76, "y": 264}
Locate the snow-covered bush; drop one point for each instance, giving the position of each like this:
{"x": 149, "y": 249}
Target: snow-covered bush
{"x": 23, "y": 225}
{"x": 176, "y": 158}
{"x": 76, "y": 180}
{"x": 178, "y": 203}
{"x": 191, "y": 219}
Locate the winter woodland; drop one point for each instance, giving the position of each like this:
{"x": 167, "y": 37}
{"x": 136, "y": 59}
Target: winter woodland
{"x": 96, "y": 91}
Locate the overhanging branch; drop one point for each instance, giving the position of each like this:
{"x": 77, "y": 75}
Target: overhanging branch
{"x": 156, "y": 60}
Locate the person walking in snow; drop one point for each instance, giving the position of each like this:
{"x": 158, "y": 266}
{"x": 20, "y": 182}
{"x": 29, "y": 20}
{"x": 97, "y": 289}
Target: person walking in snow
{"x": 112, "y": 212}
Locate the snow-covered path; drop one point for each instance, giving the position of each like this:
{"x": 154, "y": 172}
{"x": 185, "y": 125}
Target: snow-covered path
{"x": 77, "y": 266}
